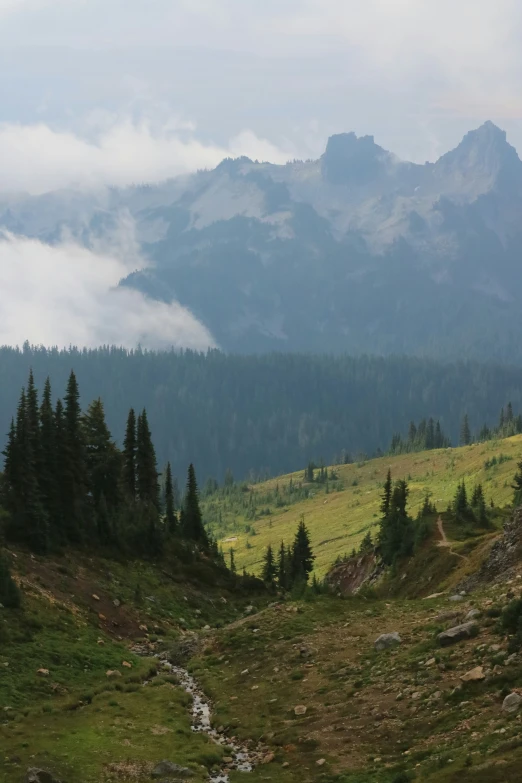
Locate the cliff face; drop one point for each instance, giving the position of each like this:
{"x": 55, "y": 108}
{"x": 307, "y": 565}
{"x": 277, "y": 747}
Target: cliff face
{"x": 347, "y": 578}
{"x": 504, "y": 561}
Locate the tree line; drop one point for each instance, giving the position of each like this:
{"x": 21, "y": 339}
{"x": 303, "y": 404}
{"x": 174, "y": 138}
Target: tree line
{"x": 267, "y": 414}
{"x": 66, "y": 483}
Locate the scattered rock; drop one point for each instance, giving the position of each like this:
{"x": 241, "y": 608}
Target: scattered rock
{"x": 300, "y": 709}
{"x": 43, "y": 672}
{"x": 116, "y": 602}
{"x": 112, "y": 673}
{"x": 169, "y": 768}
{"x": 474, "y": 675}
{"x": 387, "y": 640}
{"x": 320, "y": 762}
{"x": 95, "y": 597}
{"x": 472, "y": 614}
{"x": 101, "y": 617}
{"x": 456, "y": 597}
{"x": 511, "y": 703}
{"x": 143, "y": 628}
{"x": 126, "y": 664}
{"x": 35, "y": 775}
{"x": 268, "y": 758}
{"x": 456, "y": 634}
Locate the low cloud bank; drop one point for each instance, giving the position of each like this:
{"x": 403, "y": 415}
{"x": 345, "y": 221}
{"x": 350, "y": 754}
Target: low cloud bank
{"x": 67, "y": 295}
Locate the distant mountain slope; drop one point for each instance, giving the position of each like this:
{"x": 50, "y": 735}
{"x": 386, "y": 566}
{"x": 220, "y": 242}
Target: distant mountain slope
{"x": 357, "y": 251}
{"x": 342, "y": 511}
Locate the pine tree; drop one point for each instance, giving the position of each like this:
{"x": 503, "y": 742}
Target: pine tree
{"x": 30, "y": 520}
{"x": 509, "y": 413}
{"x": 74, "y": 477}
{"x": 232, "y": 560}
{"x": 129, "y": 457}
{"x": 282, "y": 568}
{"x": 460, "y": 502}
{"x": 103, "y": 468}
{"x": 302, "y": 555}
{"x": 396, "y": 533}
{"x": 465, "y": 432}
{"x": 171, "y": 520}
{"x": 386, "y": 496}
{"x": 517, "y": 486}
{"x": 146, "y": 465}
{"x": 478, "y": 504}
{"x": 10, "y": 477}
{"x": 269, "y": 566}
{"x": 193, "y": 522}
{"x": 49, "y": 474}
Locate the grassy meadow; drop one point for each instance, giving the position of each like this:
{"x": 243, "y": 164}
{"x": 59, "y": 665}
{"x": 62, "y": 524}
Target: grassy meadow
{"x": 339, "y": 514}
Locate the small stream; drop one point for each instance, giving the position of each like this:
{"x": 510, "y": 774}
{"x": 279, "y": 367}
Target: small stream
{"x": 243, "y": 758}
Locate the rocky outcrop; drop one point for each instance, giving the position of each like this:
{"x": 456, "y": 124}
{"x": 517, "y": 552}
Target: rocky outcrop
{"x": 504, "y": 557}
{"x": 348, "y": 577}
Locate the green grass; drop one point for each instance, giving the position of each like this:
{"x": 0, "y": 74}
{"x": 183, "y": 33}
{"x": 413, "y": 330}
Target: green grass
{"x": 339, "y": 519}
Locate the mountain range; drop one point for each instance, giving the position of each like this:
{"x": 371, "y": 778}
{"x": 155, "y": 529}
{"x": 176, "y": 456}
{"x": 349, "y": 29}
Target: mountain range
{"x": 357, "y": 251}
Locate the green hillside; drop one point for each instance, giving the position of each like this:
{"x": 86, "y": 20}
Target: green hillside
{"x": 339, "y": 512}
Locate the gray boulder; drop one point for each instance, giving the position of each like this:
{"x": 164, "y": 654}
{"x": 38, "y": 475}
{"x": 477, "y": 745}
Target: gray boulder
{"x": 387, "y": 640}
{"x": 168, "y": 768}
{"x": 457, "y": 633}
{"x": 511, "y": 703}
{"x": 472, "y": 614}
{"x": 455, "y": 598}
{"x": 35, "y": 775}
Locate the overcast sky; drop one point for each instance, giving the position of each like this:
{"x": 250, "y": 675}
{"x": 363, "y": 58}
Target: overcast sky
{"x": 186, "y": 81}
{"x": 96, "y": 92}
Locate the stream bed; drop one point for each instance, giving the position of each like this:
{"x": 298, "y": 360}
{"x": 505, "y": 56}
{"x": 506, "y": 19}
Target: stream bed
{"x": 242, "y": 757}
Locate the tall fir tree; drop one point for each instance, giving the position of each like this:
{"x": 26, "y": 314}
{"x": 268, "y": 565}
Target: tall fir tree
{"x": 171, "y": 521}
{"x": 302, "y": 562}
{"x": 74, "y": 469}
{"x": 386, "y": 495}
{"x": 269, "y": 566}
{"x": 193, "y": 528}
{"x": 129, "y": 457}
{"x": 103, "y": 462}
{"x": 146, "y": 464}
{"x": 49, "y": 474}
{"x": 465, "y": 432}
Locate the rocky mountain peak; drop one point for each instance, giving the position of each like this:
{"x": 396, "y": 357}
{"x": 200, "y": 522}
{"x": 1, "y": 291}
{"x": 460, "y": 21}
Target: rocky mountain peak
{"x": 349, "y": 159}
{"x": 483, "y": 152}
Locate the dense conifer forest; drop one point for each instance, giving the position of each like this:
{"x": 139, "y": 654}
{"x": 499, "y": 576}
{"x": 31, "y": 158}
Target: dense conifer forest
{"x": 266, "y": 414}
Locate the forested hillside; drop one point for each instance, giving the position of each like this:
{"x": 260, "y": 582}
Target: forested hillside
{"x": 267, "y": 414}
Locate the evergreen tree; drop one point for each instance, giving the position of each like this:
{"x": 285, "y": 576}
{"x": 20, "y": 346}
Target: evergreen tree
{"x": 9, "y": 593}
{"x": 103, "y": 465}
{"x": 10, "y": 476}
{"x": 465, "y": 432}
{"x": 129, "y": 457}
{"x": 49, "y": 477}
{"x": 74, "y": 476}
{"x": 460, "y": 502}
{"x": 478, "y": 504}
{"x": 366, "y": 544}
{"x": 146, "y": 465}
{"x": 283, "y": 568}
{"x": 269, "y": 566}
{"x": 171, "y": 520}
{"x": 232, "y": 560}
{"x": 193, "y": 523}
{"x": 302, "y": 561}
{"x": 396, "y": 532}
{"x": 517, "y": 486}
{"x": 386, "y": 496}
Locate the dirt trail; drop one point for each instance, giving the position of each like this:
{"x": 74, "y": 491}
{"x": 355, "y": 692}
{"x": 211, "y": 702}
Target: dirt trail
{"x": 444, "y": 540}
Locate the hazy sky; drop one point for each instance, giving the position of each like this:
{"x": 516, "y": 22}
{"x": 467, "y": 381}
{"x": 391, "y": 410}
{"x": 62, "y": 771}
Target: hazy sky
{"x": 123, "y": 91}
{"x": 110, "y": 88}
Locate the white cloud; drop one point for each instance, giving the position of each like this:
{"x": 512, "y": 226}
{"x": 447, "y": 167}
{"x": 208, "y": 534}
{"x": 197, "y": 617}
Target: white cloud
{"x": 36, "y": 158}
{"x": 68, "y": 295}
